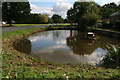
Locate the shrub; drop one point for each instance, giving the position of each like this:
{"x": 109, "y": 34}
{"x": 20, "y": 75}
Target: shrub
{"x": 88, "y": 20}
{"x": 112, "y": 58}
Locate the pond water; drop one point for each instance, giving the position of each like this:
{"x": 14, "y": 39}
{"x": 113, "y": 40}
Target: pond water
{"x": 65, "y": 46}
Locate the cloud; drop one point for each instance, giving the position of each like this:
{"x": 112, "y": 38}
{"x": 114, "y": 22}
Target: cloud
{"x": 102, "y": 2}
{"x": 38, "y": 9}
{"x": 98, "y": 1}
{"x": 61, "y": 8}
{"x": 52, "y": 0}
{"x": 48, "y": 12}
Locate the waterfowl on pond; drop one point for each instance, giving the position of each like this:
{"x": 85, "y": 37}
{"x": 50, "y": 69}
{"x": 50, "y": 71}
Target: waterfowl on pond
{"x": 91, "y": 35}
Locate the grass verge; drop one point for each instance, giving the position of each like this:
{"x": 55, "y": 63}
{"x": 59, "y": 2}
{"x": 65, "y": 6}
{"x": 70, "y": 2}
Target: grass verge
{"x": 17, "y": 25}
{"x": 19, "y": 65}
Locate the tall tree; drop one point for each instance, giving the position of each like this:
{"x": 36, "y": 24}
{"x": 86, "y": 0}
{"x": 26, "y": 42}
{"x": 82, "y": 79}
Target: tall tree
{"x": 88, "y": 20}
{"x": 107, "y": 9}
{"x": 81, "y": 9}
{"x": 71, "y": 16}
{"x": 15, "y": 11}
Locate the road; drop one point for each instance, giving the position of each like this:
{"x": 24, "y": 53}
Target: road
{"x": 10, "y": 29}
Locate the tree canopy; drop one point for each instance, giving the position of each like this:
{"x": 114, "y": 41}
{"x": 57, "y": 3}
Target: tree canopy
{"x": 19, "y": 12}
{"x": 15, "y": 11}
{"x": 57, "y": 18}
{"x": 37, "y": 18}
{"x": 107, "y": 9}
{"x": 84, "y": 11}
{"x": 43, "y": 18}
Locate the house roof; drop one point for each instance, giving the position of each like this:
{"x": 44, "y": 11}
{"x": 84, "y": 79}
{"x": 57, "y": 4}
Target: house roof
{"x": 116, "y": 13}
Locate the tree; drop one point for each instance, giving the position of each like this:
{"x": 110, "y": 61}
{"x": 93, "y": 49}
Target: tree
{"x": 57, "y": 18}
{"x": 107, "y": 9}
{"x": 88, "y": 20}
{"x": 80, "y": 10}
{"x": 43, "y": 18}
{"x": 71, "y": 16}
{"x": 15, "y": 11}
{"x": 34, "y": 18}
{"x": 50, "y": 20}
{"x": 66, "y": 21}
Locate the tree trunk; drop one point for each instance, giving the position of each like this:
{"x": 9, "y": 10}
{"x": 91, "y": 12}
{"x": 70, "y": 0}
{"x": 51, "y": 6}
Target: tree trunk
{"x": 10, "y": 24}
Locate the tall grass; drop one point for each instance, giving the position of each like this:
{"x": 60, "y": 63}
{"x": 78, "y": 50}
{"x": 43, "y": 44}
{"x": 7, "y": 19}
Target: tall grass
{"x": 112, "y": 58}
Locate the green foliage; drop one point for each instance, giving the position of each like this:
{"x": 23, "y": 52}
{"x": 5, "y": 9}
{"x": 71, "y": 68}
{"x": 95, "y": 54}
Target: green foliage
{"x": 89, "y": 19}
{"x": 84, "y": 13}
{"x": 50, "y": 20}
{"x": 34, "y": 19}
{"x": 43, "y": 18}
{"x": 15, "y": 11}
{"x": 66, "y": 21}
{"x": 57, "y": 18}
{"x": 112, "y": 58}
{"x": 108, "y": 9}
{"x": 71, "y": 16}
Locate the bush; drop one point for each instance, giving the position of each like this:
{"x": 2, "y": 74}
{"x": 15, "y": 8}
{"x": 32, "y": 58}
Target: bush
{"x": 88, "y": 20}
{"x": 112, "y": 58}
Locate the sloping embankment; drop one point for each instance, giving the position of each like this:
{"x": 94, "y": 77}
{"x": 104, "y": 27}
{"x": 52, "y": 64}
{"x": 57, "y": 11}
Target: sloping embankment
{"x": 109, "y": 33}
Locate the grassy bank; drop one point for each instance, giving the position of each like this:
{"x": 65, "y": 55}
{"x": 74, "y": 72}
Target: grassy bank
{"x": 17, "y": 25}
{"x": 20, "y": 65}
{"x": 109, "y": 30}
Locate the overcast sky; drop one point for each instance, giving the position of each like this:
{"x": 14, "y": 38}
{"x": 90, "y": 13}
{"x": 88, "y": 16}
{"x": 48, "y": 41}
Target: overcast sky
{"x": 60, "y": 7}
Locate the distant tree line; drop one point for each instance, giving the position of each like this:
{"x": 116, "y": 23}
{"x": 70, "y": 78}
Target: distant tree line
{"x": 19, "y": 12}
{"x": 85, "y": 14}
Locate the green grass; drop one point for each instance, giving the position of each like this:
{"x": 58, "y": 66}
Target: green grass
{"x": 106, "y": 30}
{"x": 22, "y": 33}
{"x": 26, "y": 24}
{"x": 64, "y": 24}
{"x": 34, "y": 24}
{"x": 20, "y": 65}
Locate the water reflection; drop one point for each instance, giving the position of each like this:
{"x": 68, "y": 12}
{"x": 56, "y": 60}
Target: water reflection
{"x": 23, "y": 46}
{"x": 67, "y": 46}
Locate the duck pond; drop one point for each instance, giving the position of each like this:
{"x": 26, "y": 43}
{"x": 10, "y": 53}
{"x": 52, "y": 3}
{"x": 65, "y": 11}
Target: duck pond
{"x": 65, "y": 47}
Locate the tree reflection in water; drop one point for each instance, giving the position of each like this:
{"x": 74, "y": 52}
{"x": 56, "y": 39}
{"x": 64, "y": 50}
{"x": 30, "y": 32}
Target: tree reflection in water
{"x": 81, "y": 45}
{"x": 65, "y": 46}
{"x": 23, "y": 46}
